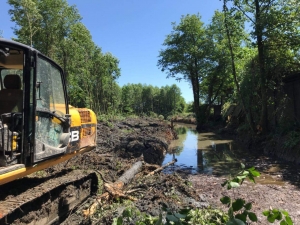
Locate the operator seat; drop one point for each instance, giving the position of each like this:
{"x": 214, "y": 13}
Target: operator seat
{"x": 11, "y": 98}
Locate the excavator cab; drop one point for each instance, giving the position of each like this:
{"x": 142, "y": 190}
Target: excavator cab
{"x": 35, "y": 124}
{"x": 39, "y": 129}
{"x": 34, "y": 119}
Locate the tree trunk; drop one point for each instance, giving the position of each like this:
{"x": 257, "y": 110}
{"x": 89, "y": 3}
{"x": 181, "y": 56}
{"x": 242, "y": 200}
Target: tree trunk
{"x": 115, "y": 189}
{"x": 129, "y": 174}
{"x": 195, "y": 85}
{"x": 263, "y": 123}
{"x": 247, "y": 112}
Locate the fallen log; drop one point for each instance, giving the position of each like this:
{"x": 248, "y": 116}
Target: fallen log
{"x": 129, "y": 174}
{"x": 115, "y": 189}
{"x": 161, "y": 168}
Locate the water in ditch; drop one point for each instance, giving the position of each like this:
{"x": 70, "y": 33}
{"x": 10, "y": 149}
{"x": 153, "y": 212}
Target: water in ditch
{"x": 208, "y": 153}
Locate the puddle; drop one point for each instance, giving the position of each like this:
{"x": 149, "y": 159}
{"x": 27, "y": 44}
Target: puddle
{"x": 208, "y": 153}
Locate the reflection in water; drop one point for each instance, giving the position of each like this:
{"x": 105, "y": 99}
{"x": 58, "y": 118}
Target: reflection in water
{"x": 181, "y": 130}
{"x": 208, "y": 153}
{"x": 202, "y": 152}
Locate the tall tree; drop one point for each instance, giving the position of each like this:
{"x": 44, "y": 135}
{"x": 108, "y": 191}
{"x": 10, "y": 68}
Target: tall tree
{"x": 274, "y": 23}
{"x": 54, "y": 28}
{"x": 184, "y": 56}
{"x": 233, "y": 28}
{"x": 218, "y": 80}
{"x": 43, "y": 23}
{"x": 28, "y": 19}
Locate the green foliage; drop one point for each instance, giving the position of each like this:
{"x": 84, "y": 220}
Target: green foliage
{"x": 110, "y": 117}
{"x": 276, "y": 40}
{"x": 239, "y": 209}
{"x": 279, "y": 215}
{"x": 185, "y": 54}
{"x": 202, "y": 55}
{"x": 195, "y": 216}
{"x": 152, "y": 101}
{"x": 291, "y": 140}
{"x": 90, "y": 73}
{"x": 153, "y": 114}
{"x": 243, "y": 128}
{"x": 207, "y": 217}
{"x": 161, "y": 117}
{"x": 131, "y": 214}
{"x": 189, "y": 107}
{"x": 182, "y": 217}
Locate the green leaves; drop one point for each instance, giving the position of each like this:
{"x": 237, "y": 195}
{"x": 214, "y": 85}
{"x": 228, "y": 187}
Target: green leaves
{"x": 276, "y": 214}
{"x": 150, "y": 100}
{"x": 235, "y": 221}
{"x": 252, "y": 216}
{"x": 127, "y": 212}
{"x": 238, "y": 204}
{"x": 233, "y": 184}
{"x": 250, "y": 173}
{"x": 54, "y": 28}
{"x": 254, "y": 172}
{"x": 248, "y": 206}
{"x": 225, "y": 200}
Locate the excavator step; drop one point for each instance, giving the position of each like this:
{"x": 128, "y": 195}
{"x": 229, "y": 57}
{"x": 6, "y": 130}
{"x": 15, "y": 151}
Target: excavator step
{"x": 4, "y": 170}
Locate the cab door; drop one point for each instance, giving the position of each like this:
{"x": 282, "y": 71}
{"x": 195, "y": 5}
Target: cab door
{"x": 51, "y": 120}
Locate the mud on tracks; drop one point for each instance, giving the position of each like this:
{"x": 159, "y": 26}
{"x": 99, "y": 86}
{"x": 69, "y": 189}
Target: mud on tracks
{"x": 46, "y": 200}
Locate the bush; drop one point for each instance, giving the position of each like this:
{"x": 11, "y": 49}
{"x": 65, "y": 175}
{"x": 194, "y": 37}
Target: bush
{"x": 161, "y": 117}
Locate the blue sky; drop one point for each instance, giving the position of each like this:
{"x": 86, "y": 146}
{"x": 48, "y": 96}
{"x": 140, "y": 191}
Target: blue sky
{"x": 133, "y": 31}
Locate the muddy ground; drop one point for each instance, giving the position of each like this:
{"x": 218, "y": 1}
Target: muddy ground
{"x": 121, "y": 144}
{"x": 145, "y": 139}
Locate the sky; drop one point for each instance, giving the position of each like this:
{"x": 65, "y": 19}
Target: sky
{"x": 133, "y": 31}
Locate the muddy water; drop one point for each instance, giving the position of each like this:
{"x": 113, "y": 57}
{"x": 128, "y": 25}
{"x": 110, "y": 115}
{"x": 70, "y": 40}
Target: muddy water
{"x": 208, "y": 153}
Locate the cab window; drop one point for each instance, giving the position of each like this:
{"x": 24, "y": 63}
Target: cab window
{"x": 50, "y": 92}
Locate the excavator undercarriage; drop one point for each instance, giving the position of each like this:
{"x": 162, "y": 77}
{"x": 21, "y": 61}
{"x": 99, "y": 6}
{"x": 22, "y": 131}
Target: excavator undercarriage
{"x": 47, "y": 201}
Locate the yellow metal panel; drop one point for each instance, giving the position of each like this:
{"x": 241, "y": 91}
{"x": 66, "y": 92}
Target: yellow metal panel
{"x": 75, "y": 116}
{"x": 13, "y": 175}
{"x": 93, "y": 117}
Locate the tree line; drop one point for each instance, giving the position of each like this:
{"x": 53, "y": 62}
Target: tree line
{"x": 242, "y": 56}
{"x": 148, "y": 100}
{"x": 56, "y": 30}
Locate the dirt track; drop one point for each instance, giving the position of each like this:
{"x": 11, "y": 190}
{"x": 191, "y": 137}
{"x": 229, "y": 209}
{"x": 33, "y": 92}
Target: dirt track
{"x": 120, "y": 144}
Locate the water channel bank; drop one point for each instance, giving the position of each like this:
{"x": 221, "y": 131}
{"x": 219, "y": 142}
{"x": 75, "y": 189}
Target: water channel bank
{"x": 207, "y": 159}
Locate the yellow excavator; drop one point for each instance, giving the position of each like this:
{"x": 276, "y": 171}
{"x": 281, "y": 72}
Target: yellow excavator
{"x": 38, "y": 128}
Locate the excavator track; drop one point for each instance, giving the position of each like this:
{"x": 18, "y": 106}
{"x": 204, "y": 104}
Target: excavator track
{"x": 46, "y": 201}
